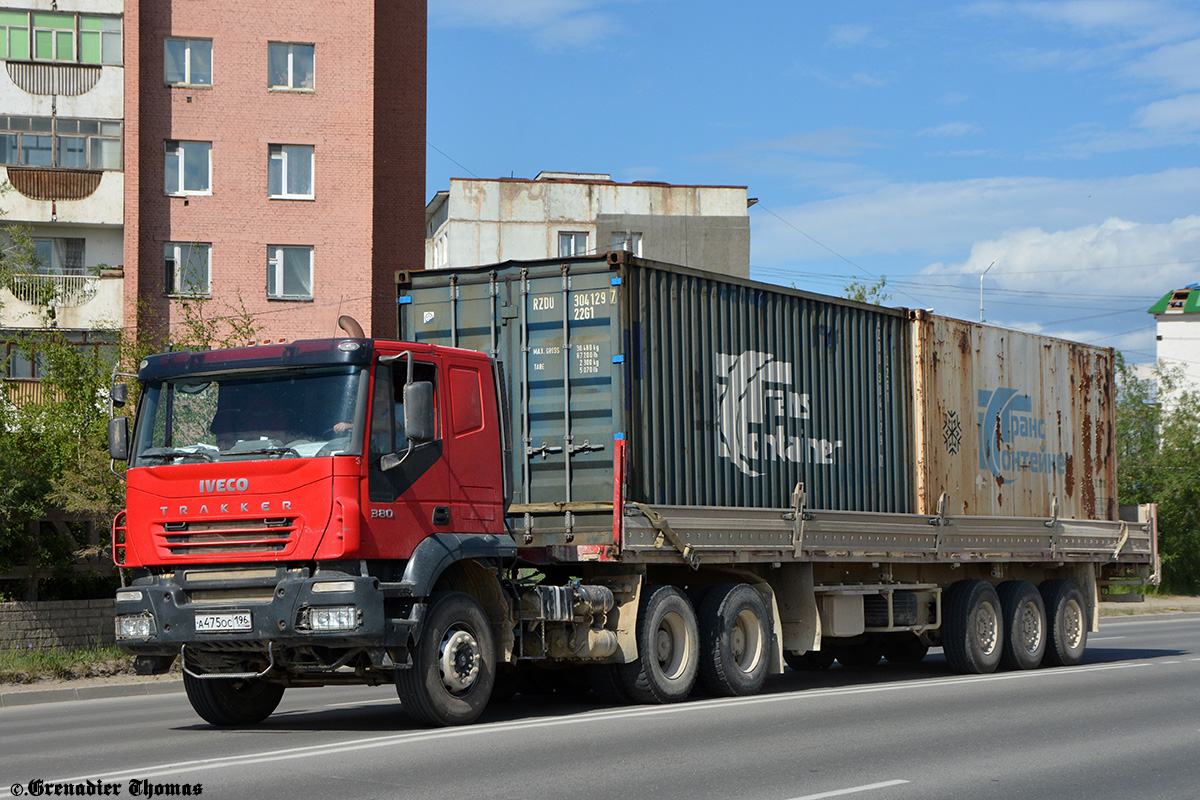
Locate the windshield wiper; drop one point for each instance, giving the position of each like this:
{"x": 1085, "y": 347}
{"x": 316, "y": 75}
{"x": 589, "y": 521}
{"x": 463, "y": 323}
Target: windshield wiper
{"x": 265, "y": 451}
{"x": 167, "y": 453}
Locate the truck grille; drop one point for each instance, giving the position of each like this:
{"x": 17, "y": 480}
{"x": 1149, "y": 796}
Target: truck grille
{"x": 226, "y": 537}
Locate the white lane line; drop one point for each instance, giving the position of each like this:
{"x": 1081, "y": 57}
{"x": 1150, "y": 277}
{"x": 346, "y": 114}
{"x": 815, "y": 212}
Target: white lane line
{"x": 392, "y": 700}
{"x": 1194, "y": 659}
{"x": 1170, "y": 662}
{"x": 1103, "y": 638}
{"x": 424, "y": 736}
{"x": 851, "y": 790}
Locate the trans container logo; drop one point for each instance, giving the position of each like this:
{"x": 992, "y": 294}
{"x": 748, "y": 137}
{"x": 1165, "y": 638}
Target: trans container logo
{"x": 1012, "y": 438}
{"x": 760, "y": 418}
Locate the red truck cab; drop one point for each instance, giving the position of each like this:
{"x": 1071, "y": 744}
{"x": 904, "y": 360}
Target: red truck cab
{"x": 290, "y": 505}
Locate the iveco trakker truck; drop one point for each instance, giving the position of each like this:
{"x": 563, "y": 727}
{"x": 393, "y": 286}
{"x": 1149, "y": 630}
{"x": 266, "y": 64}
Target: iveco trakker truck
{"x": 627, "y": 472}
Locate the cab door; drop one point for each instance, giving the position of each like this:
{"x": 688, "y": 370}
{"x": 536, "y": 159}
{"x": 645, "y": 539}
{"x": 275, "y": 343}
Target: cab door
{"x": 406, "y": 503}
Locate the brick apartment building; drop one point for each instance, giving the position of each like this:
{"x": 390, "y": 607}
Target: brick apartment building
{"x": 275, "y": 153}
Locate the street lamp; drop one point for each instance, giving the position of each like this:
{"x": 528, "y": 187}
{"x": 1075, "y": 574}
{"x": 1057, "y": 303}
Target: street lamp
{"x": 985, "y": 272}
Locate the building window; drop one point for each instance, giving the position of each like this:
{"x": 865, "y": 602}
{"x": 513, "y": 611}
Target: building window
{"x": 59, "y": 256}
{"x": 61, "y": 37}
{"x": 290, "y": 66}
{"x": 189, "y": 62}
{"x": 289, "y": 272}
{"x": 628, "y": 241}
{"x": 188, "y": 268}
{"x": 60, "y": 142}
{"x": 188, "y": 167}
{"x": 290, "y": 171}
{"x": 572, "y": 244}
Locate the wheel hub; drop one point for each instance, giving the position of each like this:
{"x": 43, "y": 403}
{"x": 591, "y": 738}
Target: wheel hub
{"x": 1031, "y": 628}
{"x": 987, "y": 628}
{"x": 459, "y": 658}
{"x": 1073, "y": 624}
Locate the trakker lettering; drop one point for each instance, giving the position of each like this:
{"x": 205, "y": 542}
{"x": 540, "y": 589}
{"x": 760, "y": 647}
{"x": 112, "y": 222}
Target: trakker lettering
{"x": 224, "y": 485}
{"x": 223, "y": 508}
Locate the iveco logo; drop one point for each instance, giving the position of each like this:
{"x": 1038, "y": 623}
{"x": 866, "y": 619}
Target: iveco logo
{"x": 224, "y": 485}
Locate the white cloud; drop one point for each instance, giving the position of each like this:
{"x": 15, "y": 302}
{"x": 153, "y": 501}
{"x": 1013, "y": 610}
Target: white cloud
{"x": 849, "y": 35}
{"x": 950, "y": 129}
{"x": 1176, "y": 115}
{"x": 552, "y": 24}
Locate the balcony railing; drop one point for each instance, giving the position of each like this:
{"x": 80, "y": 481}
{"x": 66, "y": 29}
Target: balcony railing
{"x": 64, "y": 291}
{"x": 22, "y": 392}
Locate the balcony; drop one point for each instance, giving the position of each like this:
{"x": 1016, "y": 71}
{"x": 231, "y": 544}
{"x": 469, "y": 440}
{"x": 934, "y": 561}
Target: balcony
{"x": 78, "y": 302}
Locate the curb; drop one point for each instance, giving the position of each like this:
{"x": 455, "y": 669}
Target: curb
{"x": 28, "y": 697}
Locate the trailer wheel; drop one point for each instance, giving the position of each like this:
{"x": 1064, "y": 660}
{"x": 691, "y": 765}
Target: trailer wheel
{"x": 735, "y": 640}
{"x": 859, "y": 656}
{"x": 812, "y": 661}
{"x": 668, "y": 645}
{"x": 454, "y": 666}
{"x": 1066, "y": 612}
{"x": 907, "y": 650}
{"x": 232, "y": 701}
{"x": 972, "y": 632}
{"x": 1024, "y": 625}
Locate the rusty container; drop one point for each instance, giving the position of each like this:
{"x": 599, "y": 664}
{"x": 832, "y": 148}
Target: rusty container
{"x": 1007, "y": 423}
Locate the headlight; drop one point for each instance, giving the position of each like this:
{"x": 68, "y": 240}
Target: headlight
{"x": 135, "y": 626}
{"x": 329, "y": 618}
{"x": 129, "y": 595}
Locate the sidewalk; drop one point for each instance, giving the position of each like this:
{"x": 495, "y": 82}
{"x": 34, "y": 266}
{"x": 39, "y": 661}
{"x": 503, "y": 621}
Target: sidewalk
{"x": 57, "y": 691}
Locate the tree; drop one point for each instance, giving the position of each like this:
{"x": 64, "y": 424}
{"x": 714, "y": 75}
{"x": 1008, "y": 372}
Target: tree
{"x": 1157, "y": 462}
{"x": 868, "y": 293}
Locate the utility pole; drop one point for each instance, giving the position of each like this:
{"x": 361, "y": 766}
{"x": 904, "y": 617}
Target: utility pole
{"x": 985, "y": 272}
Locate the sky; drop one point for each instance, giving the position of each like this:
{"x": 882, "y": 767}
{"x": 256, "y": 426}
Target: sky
{"x": 1052, "y": 145}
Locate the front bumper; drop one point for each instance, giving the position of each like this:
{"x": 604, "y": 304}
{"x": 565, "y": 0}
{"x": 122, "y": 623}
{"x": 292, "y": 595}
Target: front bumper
{"x": 249, "y": 610}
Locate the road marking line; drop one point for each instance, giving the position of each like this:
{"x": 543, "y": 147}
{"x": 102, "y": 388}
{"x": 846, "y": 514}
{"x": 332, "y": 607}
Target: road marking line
{"x": 392, "y": 700}
{"x": 424, "y": 736}
{"x": 1103, "y": 638}
{"x": 851, "y": 790}
{"x": 1170, "y": 662}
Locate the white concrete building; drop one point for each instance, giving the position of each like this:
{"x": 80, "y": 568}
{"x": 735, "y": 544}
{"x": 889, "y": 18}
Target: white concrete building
{"x": 61, "y": 133}
{"x": 562, "y": 214}
{"x": 1178, "y": 318}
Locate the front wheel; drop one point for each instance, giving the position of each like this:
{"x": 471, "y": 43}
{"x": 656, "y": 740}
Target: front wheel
{"x": 454, "y": 666}
{"x": 232, "y": 701}
{"x": 668, "y": 646}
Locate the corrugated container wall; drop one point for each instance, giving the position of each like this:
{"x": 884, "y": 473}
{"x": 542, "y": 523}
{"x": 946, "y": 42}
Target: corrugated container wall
{"x": 726, "y": 392}
{"x": 1007, "y": 422}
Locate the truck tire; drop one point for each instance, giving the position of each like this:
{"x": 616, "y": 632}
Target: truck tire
{"x": 1067, "y": 616}
{"x": 1024, "y": 625}
{"x": 232, "y": 701}
{"x": 812, "y": 661}
{"x": 908, "y": 649}
{"x": 607, "y": 685}
{"x": 454, "y": 665}
{"x": 668, "y": 646}
{"x": 972, "y": 628}
{"x": 859, "y": 656}
{"x": 735, "y": 641}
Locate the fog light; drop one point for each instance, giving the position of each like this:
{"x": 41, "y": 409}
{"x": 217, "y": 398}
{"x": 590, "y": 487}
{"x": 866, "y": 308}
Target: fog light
{"x": 135, "y": 626}
{"x": 332, "y": 618}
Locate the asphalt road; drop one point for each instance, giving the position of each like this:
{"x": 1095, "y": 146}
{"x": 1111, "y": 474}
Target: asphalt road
{"x": 1126, "y": 723}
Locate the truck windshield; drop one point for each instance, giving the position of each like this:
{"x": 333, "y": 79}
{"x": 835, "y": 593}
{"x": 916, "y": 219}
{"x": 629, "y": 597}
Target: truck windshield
{"x": 307, "y": 413}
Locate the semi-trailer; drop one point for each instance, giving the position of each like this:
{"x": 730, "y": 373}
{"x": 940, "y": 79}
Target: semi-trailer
{"x": 643, "y": 474}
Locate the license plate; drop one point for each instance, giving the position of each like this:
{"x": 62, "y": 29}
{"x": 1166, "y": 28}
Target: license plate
{"x": 225, "y": 621}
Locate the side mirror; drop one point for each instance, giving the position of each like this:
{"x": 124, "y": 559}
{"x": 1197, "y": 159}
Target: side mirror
{"x": 118, "y": 439}
{"x": 119, "y": 394}
{"x": 419, "y": 412}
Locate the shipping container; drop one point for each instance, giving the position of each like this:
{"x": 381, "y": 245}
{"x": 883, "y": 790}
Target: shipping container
{"x": 719, "y": 391}
{"x": 1008, "y": 423}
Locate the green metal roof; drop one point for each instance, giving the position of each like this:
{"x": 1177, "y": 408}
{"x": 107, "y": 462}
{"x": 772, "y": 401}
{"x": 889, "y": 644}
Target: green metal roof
{"x": 1179, "y": 301}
